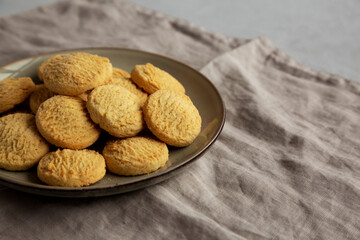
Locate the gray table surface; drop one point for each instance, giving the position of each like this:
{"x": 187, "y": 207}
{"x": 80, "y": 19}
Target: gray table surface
{"x": 321, "y": 34}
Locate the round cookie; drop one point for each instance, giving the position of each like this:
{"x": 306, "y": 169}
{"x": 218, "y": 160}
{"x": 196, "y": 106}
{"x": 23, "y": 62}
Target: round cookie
{"x": 172, "y": 117}
{"x": 65, "y": 122}
{"x": 122, "y": 78}
{"x": 21, "y": 145}
{"x": 135, "y": 156}
{"x": 116, "y": 110}
{"x": 39, "y": 96}
{"x": 71, "y": 168}
{"x": 14, "y": 91}
{"x": 75, "y": 73}
{"x": 151, "y": 79}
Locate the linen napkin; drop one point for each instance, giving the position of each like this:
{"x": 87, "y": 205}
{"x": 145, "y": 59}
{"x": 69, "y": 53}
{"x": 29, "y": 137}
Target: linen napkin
{"x": 286, "y": 165}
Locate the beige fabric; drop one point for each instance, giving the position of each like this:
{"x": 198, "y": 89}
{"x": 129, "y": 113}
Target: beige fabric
{"x": 286, "y": 165}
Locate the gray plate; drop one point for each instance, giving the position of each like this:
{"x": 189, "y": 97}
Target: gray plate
{"x": 201, "y": 91}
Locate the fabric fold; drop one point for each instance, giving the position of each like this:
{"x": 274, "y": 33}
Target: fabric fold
{"x": 292, "y": 141}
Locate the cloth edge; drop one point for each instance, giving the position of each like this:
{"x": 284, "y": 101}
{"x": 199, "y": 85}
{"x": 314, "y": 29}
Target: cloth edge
{"x": 284, "y": 62}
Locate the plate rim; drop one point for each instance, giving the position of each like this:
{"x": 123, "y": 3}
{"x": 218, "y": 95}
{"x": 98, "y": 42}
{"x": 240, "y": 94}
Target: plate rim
{"x": 54, "y": 191}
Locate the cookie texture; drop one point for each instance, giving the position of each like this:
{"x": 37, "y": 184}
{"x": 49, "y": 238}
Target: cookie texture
{"x": 65, "y": 122}
{"x": 122, "y": 78}
{"x": 172, "y": 117}
{"x": 151, "y": 79}
{"x": 21, "y": 145}
{"x": 71, "y": 168}
{"x": 116, "y": 110}
{"x": 39, "y": 96}
{"x": 14, "y": 91}
{"x": 135, "y": 156}
{"x": 75, "y": 73}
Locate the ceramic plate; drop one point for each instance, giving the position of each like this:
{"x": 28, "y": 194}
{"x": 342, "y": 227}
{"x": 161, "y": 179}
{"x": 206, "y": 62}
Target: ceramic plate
{"x": 201, "y": 91}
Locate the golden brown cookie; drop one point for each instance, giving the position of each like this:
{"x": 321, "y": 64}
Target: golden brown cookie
{"x": 65, "y": 122}
{"x": 21, "y": 145}
{"x": 75, "y": 73}
{"x": 71, "y": 168}
{"x": 39, "y": 96}
{"x": 122, "y": 78}
{"x": 14, "y": 91}
{"x": 135, "y": 156}
{"x": 151, "y": 79}
{"x": 172, "y": 117}
{"x": 116, "y": 110}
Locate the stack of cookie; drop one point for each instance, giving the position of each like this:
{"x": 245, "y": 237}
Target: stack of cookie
{"x": 83, "y": 95}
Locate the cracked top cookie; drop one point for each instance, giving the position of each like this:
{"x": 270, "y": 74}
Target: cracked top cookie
{"x": 21, "y": 145}
{"x": 65, "y": 122}
{"x": 116, "y": 110}
{"x": 151, "y": 79}
{"x": 75, "y": 73}
{"x": 14, "y": 91}
{"x": 135, "y": 156}
{"x": 172, "y": 117}
{"x": 71, "y": 168}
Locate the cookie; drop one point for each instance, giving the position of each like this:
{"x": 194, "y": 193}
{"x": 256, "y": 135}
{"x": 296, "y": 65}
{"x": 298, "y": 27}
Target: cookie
{"x": 71, "y": 168}
{"x": 116, "y": 110}
{"x": 122, "y": 78}
{"x": 14, "y": 91}
{"x": 75, "y": 73}
{"x": 65, "y": 122}
{"x": 172, "y": 117}
{"x": 151, "y": 79}
{"x": 39, "y": 96}
{"x": 135, "y": 156}
{"x": 21, "y": 145}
